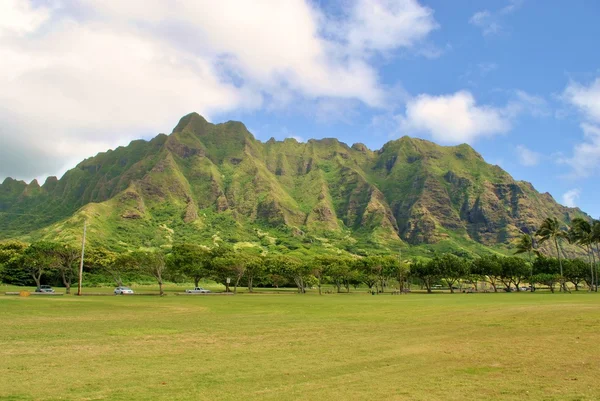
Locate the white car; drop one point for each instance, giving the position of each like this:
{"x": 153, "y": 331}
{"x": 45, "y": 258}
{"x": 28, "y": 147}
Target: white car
{"x": 123, "y": 291}
{"x": 197, "y": 290}
{"x": 46, "y": 289}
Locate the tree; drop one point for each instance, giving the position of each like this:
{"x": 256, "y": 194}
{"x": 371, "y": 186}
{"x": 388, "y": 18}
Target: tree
{"x": 525, "y": 244}
{"x": 39, "y": 258}
{"x": 489, "y": 268}
{"x": 292, "y": 267}
{"x": 400, "y": 271}
{"x": 152, "y": 263}
{"x": 231, "y": 265}
{"x": 581, "y": 233}
{"x": 67, "y": 261}
{"x": 191, "y": 260}
{"x": 514, "y": 270}
{"x": 318, "y": 269}
{"x": 576, "y": 271}
{"x": 366, "y": 270}
{"x": 428, "y": 273}
{"x": 451, "y": 268}
{"x": 337, "y": 269}
{"x": 110, "y": 262}
{"x": 546, "y": 272}
{"x": 550, "y": 231}
{"x": 11, "y": 266}
{"x": 255, "y": 268}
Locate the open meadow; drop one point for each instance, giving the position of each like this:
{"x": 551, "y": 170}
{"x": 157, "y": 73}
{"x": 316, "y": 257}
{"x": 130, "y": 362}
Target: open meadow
{"x": 505, "y": 346}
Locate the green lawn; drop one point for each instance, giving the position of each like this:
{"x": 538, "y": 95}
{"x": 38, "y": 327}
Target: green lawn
{"x": 290, "y": 347}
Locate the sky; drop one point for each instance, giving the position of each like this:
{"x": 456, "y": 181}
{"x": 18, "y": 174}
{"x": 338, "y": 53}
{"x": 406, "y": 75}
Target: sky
{"x": 519, "y": 80}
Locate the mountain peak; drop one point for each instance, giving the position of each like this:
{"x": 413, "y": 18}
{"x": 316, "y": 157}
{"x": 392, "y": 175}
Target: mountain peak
{"x": 193, "y": 122}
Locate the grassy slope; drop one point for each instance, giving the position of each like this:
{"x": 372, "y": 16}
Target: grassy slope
{"x": 418, "y": 347}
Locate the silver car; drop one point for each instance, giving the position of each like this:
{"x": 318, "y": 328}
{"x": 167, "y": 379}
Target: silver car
{"x": 123, "y": 291}
{"x": 45, "y": 289}
{"x": 198, "y": 290}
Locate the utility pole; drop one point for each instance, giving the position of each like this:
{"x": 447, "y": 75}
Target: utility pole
{"x": 81, "y": 261}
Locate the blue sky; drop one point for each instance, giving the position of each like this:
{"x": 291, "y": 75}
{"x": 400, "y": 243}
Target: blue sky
{"x": 518, "y": 80}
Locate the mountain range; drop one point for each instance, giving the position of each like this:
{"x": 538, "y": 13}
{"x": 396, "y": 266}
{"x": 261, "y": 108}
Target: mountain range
{"x": 208, "y": 182}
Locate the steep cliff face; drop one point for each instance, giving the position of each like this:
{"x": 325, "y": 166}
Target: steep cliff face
{"x": 205, "y": 181}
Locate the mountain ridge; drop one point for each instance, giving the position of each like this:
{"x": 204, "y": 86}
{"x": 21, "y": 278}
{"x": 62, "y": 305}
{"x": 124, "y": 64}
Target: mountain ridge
{"x": 411, "y": 193}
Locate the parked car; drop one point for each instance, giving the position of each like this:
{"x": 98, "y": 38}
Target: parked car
{"x": 123, "y": 291}
{"x": 197, "y": 290}
{"x": 46, "y": 289}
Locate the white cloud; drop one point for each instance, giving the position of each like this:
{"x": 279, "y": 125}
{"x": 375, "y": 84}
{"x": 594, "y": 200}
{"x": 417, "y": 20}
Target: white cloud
{"x": 570, "y": 197}
{"x": 453, "y": 118}
{"x": 585, "y": 160}
{"x": 383, "y": 25}
{"x": 19, "y": 17}
{"x": 83, "y": 75}
{"x": 527, "y": 157}
{"x": 486, "y": 21}
{"x": 523, "y": 102}
{"x": 489, "y": 21}
{"x": 585, "y": 98}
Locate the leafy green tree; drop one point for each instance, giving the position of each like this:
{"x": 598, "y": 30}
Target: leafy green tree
{"x": 514, "y": 270}
{"x": 550, "y": 231}
{"x": 114, "y": 264}
{"x": 68, "y": 258}
{"x": 546, "y": 272}
{"x": 366, "y": 268}
{"x": 255, "y": 269}
{"x": 11, "y": 266}
{"x": 233, "y": 265}
{"x": 581, "y": 233}
{"x": 488, "y": 268}
{"x": 337, "y": 269}
{"x": 39, "y": 258}
{"x": 428, "y": 273}
{"x": 547, "y": 279}
{"x": 576, "y": 271}
{"x": 526, "y": 244}
{"x": 295, "y": 269}
{"x": 152, "y": 263}
{"x": 191, "y": 260}
{"x": 451, "y": 268}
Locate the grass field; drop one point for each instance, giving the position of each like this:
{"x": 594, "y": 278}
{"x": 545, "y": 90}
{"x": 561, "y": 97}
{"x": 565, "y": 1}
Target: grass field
{"x": 301, "y": 347}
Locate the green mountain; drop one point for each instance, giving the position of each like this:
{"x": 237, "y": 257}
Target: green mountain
{"x": 206, "y": 182}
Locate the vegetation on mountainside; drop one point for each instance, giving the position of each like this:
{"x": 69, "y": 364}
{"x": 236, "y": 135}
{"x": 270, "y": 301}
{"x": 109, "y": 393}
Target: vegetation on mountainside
{"x": 246, "y": 265}
{"x": 205, "y": 183}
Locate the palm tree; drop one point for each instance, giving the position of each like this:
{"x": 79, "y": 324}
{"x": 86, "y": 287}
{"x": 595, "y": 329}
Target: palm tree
{"x": 550, "y": 230}
{"x": 525, "y": 244}
{"x": 580, "y": 233}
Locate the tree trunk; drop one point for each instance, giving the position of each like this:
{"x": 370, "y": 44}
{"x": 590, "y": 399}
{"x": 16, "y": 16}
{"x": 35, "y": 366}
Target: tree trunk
{"x": 160, "y": 288}
{"x": 196, "y": 282}
{"x": 237, "y": 281}
{"x": 427, "y": 285}
{"x": 250, "y": 282}
{"x": 563, "y": 287}
{"x": 66, "y": 282}
{"x": 590, "y": 256}
{"x": 37, "y": 278}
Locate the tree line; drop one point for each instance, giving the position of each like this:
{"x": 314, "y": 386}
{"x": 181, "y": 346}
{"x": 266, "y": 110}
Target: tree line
{"x": 21, "y": 263}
